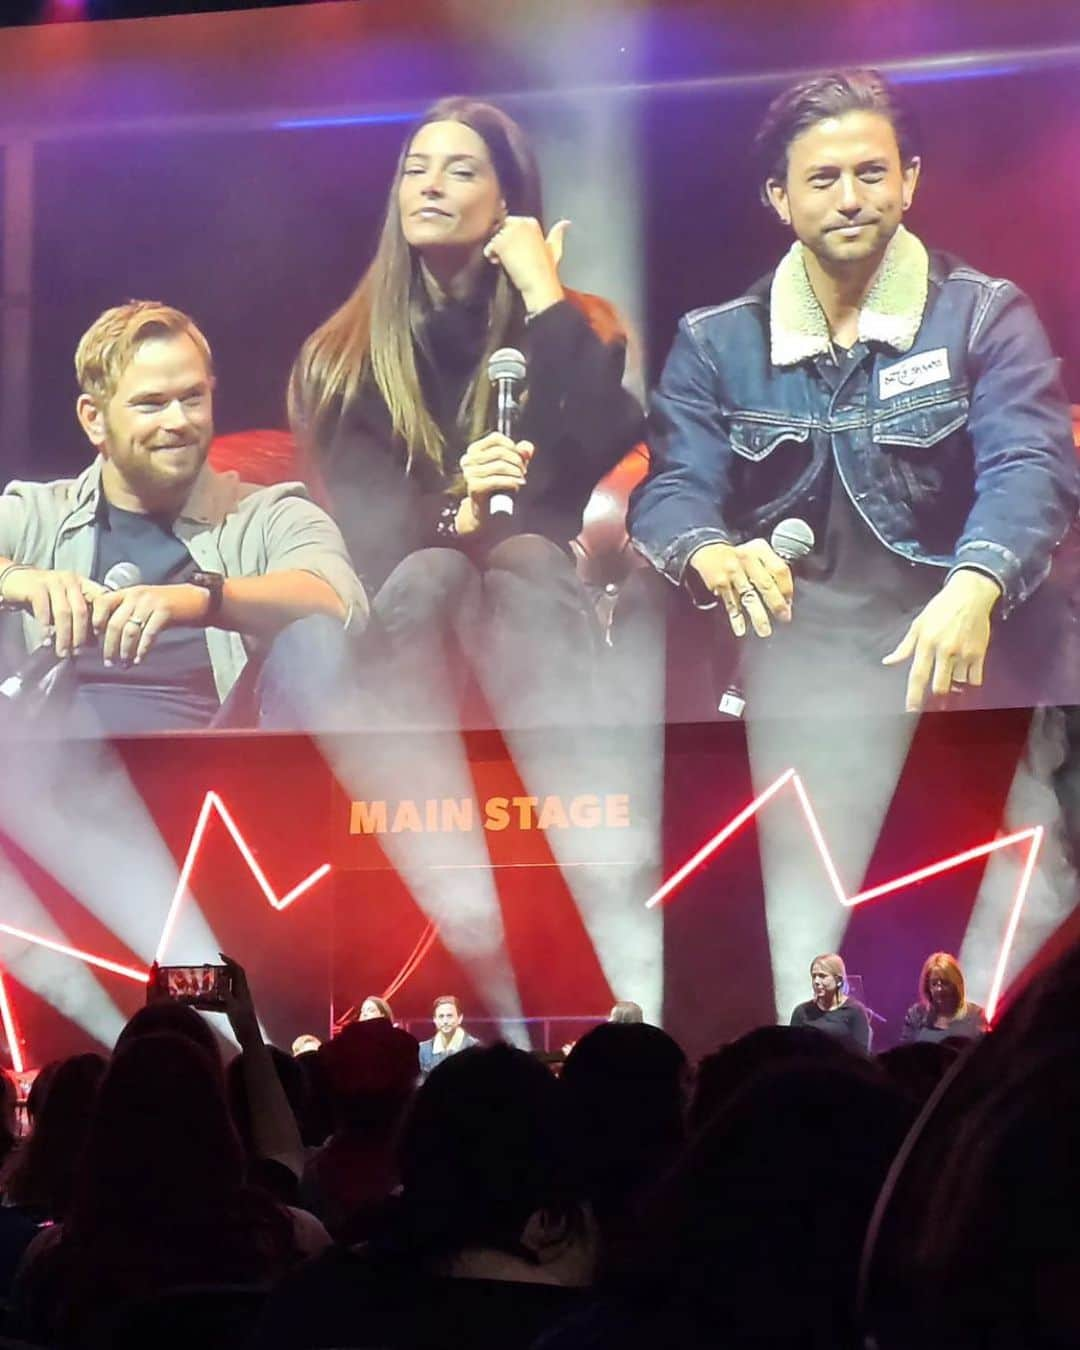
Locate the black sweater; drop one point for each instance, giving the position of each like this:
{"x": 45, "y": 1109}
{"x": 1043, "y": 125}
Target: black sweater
{"x": 848, "y": 1023}
{"x": 577, "y": 414}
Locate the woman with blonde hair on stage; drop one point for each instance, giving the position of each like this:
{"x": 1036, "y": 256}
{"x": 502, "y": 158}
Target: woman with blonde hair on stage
{"x": 831, "y": 1010}
{"x": 943, "y": 1009}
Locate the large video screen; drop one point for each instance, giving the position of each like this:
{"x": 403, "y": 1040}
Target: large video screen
{"x": 409, "y": 431}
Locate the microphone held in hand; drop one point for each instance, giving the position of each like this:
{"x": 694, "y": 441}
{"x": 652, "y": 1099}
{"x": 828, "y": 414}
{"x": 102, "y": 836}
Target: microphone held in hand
{"x": 506, "y": 370}
{"x": 793, "y": 539}
{"x": 40, "y": 663}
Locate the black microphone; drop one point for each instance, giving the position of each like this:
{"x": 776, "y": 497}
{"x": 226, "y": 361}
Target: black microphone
{"x": 792, "y": 540}
{"x": 506, "y": 369}
{"x": 39, "y": 664}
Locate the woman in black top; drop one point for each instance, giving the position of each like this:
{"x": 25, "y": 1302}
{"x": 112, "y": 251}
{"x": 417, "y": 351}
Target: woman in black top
{"x": 830, "y": 1010}
{"x": 391, "y": 398}
{"x": 943, "y": 1009}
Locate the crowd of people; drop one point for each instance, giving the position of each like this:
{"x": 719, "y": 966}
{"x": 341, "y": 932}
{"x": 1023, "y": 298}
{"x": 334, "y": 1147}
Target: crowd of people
{"x": 790, "y": 1190}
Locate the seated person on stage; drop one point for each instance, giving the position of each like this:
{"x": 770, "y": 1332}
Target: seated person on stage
{"x": 903, "y": 404}
{"x": 450, "y": 1035}
{"x": 371, "y": 1007}
{"x": 830, "y": 1010}
{"x": 391, "y": 398}
{"x": 227, "y": 570}
{"x": 943, "y": 1009}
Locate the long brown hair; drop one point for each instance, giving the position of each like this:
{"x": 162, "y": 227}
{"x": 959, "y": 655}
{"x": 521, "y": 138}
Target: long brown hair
{"x": 374, "y": 333}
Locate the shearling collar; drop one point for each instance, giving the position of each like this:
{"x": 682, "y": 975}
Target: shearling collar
{"x": 891, "y": 313}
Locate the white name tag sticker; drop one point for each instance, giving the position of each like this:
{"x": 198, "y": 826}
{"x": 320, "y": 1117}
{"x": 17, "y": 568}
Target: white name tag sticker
{"x": 914, "y": 372}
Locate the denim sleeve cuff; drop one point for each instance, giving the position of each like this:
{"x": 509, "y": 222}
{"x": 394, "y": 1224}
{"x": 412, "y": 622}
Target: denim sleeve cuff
{"x": 996, "y": 561}
{"x": 673, "y": 559}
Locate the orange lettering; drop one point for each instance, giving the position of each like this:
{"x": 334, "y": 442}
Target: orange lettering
{"x": 367, "y": 818}
{"x": 406, "y": 817}
{"x": 552, "y": 813}
{"x": 498, "y": 816}
{"x": 617, "y": 810}
{"x": 525, "y": 807}
{"x": 457, "y": 814}
{"x": 585, "y": 812}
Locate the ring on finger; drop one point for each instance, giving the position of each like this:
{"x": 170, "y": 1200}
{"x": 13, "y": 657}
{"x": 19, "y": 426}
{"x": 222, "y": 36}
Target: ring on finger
{"x": 136, "y": 623}
{"x": 749, "y": 594}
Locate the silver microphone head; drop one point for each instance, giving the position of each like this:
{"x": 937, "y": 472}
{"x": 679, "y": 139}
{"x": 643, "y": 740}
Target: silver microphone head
{"x": 792, "y": 539}
{"x": 120, "y": 575}
{"x": 506, "y": 364}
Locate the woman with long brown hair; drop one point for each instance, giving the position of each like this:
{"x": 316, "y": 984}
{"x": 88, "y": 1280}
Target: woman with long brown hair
{"x": 391, "y": 398}
{"x": 943, "y": 1009}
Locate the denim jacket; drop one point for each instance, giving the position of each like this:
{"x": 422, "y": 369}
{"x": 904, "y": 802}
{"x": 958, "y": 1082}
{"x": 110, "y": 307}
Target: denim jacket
{"x": 952, "y": 438}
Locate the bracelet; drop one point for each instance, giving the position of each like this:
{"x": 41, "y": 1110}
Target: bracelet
{"x": 445, "y": 525}
{"x": 4, "y": 574}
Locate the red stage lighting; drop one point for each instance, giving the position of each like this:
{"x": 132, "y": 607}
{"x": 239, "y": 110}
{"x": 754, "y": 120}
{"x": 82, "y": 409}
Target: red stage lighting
{"x": 211, "y": 802}
{"x": 11, "y": 1031}
{"x": 412, "y": 962}
{"x": 1032, "y": 836}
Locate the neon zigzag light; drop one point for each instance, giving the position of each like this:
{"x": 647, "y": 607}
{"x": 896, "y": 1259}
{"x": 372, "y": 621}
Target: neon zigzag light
{"x": 1032, "y": 836}
{"x": 211, "y": 802}
{"x": 11, "y": 1031}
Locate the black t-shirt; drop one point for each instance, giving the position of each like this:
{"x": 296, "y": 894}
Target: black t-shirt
{"x": 172, "y": 688}
{"x": 350, "y": 1297}
{"x": 852, "y": 580}
{"x": 848, "y": 1023}
{"x": 854, "y": 601}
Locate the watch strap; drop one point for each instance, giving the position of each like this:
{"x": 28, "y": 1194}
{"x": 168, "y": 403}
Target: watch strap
{"x": 214, "y": 583}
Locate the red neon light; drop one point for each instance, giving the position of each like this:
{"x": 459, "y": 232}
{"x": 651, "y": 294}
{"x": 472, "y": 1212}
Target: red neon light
{"x": 129, "y": 972}
{"x": 1032, "y": 836}
{"x": 413, "y": 960}
{"x": 211, "y": 802}
{"x": 11, "y": 1031}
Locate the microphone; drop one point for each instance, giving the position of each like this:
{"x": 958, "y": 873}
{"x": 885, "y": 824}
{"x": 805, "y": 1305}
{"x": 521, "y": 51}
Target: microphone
{"x": 506, "y": 369}
{"x": 792, "y": 540}
{"x": 41, "y": 663}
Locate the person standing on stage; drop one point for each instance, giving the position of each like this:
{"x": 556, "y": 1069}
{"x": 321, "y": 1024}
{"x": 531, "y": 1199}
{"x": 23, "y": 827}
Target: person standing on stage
{"x": 943, "y": 1009}
{"x": 907, "y": 406}
{"x": 391, "y": 398}
{"x": 450, "y": 1035}
{"x": 831, "y": 1010}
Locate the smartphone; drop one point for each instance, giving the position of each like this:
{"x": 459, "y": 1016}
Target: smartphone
{"x": 203, "y": 987}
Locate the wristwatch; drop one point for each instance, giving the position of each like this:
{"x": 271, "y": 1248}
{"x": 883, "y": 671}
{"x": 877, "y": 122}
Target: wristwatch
{"x": 213, "y": 582}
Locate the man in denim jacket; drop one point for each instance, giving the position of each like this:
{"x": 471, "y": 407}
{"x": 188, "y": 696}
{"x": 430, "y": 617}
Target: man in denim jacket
{"x": 905, "y": 405}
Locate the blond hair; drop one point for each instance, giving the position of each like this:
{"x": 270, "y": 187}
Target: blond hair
{"x": 833, "y": 964}
{"x": 106, "y": 348}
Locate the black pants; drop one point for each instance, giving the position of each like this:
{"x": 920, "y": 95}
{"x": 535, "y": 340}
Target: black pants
{"x": 518, "y": 620}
